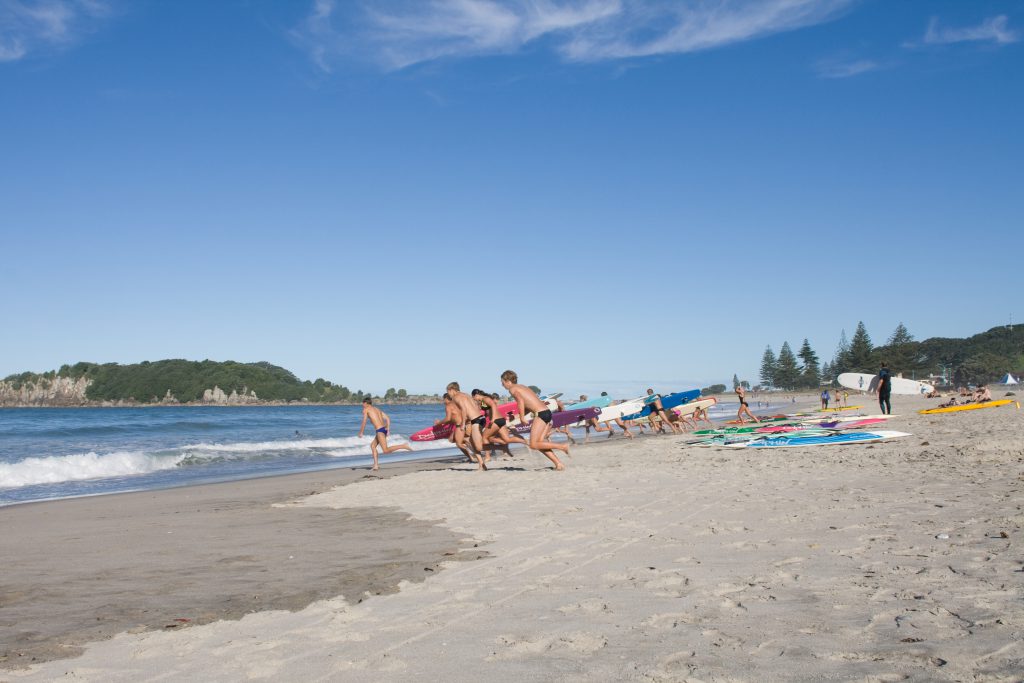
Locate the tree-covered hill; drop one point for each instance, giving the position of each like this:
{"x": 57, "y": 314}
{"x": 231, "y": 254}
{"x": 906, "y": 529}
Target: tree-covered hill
{"x": 982, "y": 358}
{"x": 187, "y": 380}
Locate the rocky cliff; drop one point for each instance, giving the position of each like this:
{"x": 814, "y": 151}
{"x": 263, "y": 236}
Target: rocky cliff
{"x": 58, "y": 391}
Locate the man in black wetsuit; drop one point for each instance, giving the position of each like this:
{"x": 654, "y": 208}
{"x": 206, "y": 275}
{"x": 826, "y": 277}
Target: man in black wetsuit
{"x": 885, "y": 389}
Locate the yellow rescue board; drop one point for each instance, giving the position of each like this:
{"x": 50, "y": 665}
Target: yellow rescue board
{"x": 969, "y": 406}
{"x": 829, "y": 410}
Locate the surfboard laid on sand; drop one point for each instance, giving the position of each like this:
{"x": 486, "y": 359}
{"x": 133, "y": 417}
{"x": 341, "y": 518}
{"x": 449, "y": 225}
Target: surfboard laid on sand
{"x": 730, "y": 439}
{"x": 830, "y": 440}
{"x": 861, "y": 381}
{"x": 968, "y": 406}
{"x": 832, "y": 410}
{"x": 566, "y": 417}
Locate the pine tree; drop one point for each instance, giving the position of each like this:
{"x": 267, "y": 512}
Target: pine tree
{"x": 787, "y": 375}
{"x": 860, "y": 357}
{"x": 900, "y": 336}
{"x": 735, "y": 381}
{"x": 768, "y": 367}
{"x": 901, "y": 351}
{"x": 841, "y": 360}
{"x": 826, "y": 373}
{"x": 810, "y": 373}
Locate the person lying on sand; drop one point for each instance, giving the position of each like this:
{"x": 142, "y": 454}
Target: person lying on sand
{"x": 527, "y": 401}
{"x": 382, "y": 423}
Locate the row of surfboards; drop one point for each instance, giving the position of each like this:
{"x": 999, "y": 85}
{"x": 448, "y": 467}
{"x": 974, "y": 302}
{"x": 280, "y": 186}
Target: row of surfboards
{"x": 600, "y": 408}
{"x": 796, "y": 431}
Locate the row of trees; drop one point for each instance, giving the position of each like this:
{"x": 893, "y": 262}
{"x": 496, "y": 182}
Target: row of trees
{"x": 982, "y": 358}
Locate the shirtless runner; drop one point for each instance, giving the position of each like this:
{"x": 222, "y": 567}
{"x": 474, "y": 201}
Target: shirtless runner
{"x": 497, "y": 429}
{"x": 382, "y": 423}
{"x": 453, "y": 416}
{"x": 529, "y": 402}
{"x": 472, "y": 427}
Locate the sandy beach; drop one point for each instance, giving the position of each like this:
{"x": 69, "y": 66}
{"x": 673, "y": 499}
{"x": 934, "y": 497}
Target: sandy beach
{"x": 645, "y": 561}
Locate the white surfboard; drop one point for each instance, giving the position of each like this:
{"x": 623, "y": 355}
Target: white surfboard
{"x": 692, "y": 407}
{"x": 614, "y": 412}
{"x": 551, "y": 403}
{"x": 861, "y": 381}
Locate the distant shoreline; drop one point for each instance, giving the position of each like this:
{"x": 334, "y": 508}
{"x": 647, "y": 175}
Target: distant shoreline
{"x": 260, "y": 404}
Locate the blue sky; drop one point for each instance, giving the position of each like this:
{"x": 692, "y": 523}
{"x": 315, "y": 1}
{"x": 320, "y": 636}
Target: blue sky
{"x": 596, "y": 193}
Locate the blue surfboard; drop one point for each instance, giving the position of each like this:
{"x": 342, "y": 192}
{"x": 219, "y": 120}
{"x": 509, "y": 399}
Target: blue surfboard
{"x": 599, "y": 402}
{"x": 668, "y": 401}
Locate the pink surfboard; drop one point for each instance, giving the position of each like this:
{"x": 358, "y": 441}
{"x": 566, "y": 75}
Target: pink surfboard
{"x": 445, "y": 431}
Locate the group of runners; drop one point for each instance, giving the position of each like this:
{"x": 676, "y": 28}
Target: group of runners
{"x": 480, "y": 428}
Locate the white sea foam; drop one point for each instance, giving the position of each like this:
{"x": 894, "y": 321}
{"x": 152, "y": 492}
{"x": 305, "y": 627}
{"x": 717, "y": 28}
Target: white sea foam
{"x": 364, "y": 448}
{"x": 295, "y": 445}
{"x": 60, "y": 468}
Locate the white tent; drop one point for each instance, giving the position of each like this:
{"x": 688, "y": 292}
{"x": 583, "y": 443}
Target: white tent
{"x": 1008, "y": 379}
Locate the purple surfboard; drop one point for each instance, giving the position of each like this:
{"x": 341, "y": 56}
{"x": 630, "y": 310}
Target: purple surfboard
{"x": 566, "y": 417}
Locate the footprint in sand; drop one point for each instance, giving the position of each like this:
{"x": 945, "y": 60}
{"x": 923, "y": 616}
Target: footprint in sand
{"x": 591, "y": 606}
{"x": 514, "y": 647}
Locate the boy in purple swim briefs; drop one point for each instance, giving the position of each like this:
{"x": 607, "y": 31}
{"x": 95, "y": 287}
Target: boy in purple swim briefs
{"x": 382, "y": 423}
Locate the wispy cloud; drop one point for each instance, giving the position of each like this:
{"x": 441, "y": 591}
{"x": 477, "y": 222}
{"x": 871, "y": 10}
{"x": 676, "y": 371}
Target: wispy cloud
{"x": 846, "y": 69}
{"x": 28, "y": 26}
{"x": 992, "y": 30}
{"x": 399, "y": 33}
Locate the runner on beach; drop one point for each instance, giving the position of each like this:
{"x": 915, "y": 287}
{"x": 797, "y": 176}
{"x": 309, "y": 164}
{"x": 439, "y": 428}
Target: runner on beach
{"x": 744, "y": 408}
{"x": 653, "y": 400}
{"x": 472, "y": 426}
{"x": 497, "y": 428}
{"x": 527, "y": 401}
{"x": 453, "y": 416}
{"x": 382, "y": 423}
{"x": 564, "y": 429}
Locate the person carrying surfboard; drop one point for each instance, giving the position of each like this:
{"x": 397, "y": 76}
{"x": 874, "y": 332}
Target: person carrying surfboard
{"x": 529, "y": 402}
{"x": 380, "y": 420}
{"x": 653, "y": 400}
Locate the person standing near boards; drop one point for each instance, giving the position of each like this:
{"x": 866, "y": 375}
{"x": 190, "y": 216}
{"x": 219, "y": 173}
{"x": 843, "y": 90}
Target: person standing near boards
{"x": 885, "y": 389}
{"x": 825, "y": 399}
{"x": 382, "y": 423}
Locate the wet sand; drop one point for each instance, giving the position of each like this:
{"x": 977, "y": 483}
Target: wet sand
{"x": 86, "y": 569}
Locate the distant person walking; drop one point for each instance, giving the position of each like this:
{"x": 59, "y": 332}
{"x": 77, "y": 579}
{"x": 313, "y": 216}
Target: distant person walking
{"x": 825, "y": 397}
{"x": 744, "y": 408}
{"x": 380, "y": 420}
{"x": 885, "y": 389}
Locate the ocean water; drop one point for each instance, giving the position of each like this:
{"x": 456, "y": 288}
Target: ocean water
{"x": 51, "y": 453}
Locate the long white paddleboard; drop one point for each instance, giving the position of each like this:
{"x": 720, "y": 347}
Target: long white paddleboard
{"x": 616, "y": 411}
{"x": 861, "y": 381}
